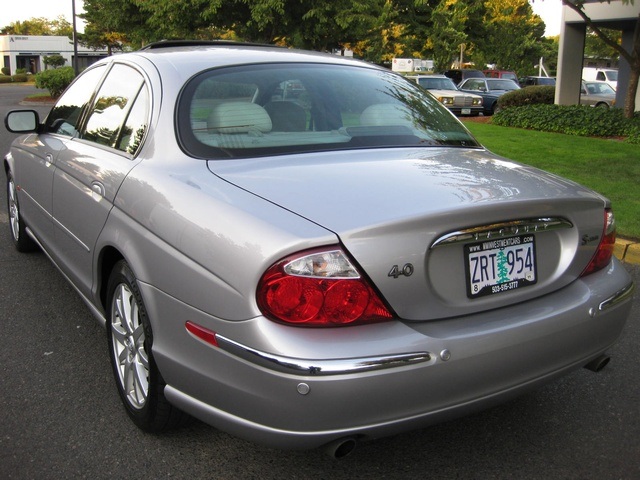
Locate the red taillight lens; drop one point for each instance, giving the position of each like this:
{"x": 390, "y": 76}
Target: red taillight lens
{"x": 603, "y": 254}
{"x": 319, "y": 288}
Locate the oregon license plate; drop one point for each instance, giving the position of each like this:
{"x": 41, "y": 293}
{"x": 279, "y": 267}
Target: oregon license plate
{"x": 500, "y": 265}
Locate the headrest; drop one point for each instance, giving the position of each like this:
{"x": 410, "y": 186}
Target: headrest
{"x": 239, "y": 117}
{"x": 385, "y": 114}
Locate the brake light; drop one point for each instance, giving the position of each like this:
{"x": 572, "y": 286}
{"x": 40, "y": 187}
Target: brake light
{"x": 319, "y": 288}
{"x": 603, "y": 254}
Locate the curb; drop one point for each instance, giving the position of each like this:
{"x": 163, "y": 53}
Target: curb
{"x": 627, "y": 251}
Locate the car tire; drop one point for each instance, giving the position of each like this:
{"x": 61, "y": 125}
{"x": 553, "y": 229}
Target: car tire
{"x": 18, "y": 229}
{"x": 602, "y": 105}
{"x": 139, "y": 382}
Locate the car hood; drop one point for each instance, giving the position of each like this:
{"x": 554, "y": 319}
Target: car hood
{"x": 391, "y": 207}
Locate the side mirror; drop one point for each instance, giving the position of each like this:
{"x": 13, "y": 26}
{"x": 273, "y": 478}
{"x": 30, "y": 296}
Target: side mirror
{"x": 22, "y": 121}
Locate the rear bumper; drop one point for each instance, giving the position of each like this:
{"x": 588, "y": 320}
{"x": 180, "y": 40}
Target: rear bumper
{"x": 426, "y": 372}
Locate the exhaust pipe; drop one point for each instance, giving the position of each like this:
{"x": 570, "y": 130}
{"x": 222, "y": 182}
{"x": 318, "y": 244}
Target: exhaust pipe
{"x": 341, "y": 448}
{"x": 598, "y": 363}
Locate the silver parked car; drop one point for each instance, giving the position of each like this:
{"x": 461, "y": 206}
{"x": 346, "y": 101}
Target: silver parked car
{"x": 597, "y": 94}
{"x": 336, "y": 263}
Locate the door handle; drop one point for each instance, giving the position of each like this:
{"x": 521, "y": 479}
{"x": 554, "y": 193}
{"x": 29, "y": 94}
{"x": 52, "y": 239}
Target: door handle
{"x": 97, "y": 188}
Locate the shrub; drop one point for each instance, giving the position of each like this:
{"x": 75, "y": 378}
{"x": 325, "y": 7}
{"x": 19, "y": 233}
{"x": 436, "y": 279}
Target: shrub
{"x": 533, "y": 95}
{"x": 5, "y": 71}
{"x": 5, "y": 79}
{"x": 54, "y": 61}
{"x": 20, "y": 77}
{"x": 634, "y": 134}
{"x": 572, "y": 120}
{"x": 55, "y": 80}
{"x": 20, "y": 70}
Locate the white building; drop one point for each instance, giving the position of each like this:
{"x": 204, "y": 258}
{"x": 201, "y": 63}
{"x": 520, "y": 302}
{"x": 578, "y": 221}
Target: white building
{"x": 20, "y": 51}
{"x": 617, "y": 15}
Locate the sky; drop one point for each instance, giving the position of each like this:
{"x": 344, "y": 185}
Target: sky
{"x": 19, "y": 10}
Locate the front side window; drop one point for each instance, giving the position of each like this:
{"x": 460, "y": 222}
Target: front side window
{"x": 276, "y": 109}
{"x": 477, "y": 85}
{"x": 65, "y": 115}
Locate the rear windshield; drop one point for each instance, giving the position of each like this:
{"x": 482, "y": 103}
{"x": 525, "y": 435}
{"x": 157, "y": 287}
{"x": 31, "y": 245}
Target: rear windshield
{"x": 258, "y": 110}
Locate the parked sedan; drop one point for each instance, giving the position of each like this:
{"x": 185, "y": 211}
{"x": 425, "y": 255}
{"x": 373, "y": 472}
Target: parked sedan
{"x": 448, "y": 94}
{"x": 490, "y": 89}
{"x": 597, "y": 94}
{"x": 325, "y": 268}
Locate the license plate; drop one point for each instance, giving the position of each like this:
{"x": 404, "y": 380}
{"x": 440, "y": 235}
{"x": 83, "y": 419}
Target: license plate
{"x": 501, "y": 265}
{"x": 466, "y": 111}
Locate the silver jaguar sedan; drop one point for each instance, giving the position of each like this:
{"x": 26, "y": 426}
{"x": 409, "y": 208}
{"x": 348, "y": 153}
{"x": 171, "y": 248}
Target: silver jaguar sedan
{"x": 307, "y": 250}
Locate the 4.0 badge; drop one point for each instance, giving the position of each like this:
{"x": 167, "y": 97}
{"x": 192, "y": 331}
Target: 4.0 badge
{"x": 396, "y": 271}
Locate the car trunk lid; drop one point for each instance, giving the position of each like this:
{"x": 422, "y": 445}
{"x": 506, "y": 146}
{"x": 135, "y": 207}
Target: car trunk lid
{"x": 416, "y": 220}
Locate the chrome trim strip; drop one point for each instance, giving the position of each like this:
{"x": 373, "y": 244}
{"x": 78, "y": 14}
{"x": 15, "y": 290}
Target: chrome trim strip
{"x": 298, "y": 366}
{"x": 620, "y": 296}
{"x": 70, "y": 233}
{"x": 501, "y": 230}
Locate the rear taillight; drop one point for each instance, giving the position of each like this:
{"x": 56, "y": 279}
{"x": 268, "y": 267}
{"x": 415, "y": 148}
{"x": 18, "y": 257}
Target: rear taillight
{"x": 319, "y": 288}
{"x": 603, "y": 254}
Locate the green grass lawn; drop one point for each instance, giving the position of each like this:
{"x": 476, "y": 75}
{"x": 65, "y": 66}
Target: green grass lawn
{"x": 610, "y": 167}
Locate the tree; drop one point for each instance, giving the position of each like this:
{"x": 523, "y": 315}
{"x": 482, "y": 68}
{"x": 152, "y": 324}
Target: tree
{"x": 549, "y": 52}
{"x": 377, "y": 30}
{"x": 596, "y": 48}
{"x": 113, "y": 23}
{"x": 513, "y": 35}
{"x": 449, "y": 32}
{"x": 39, "y": 26}
{"x": 631, "y": 57}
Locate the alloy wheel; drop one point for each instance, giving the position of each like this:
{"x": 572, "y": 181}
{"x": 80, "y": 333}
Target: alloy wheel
{"x": 128, "y": 337}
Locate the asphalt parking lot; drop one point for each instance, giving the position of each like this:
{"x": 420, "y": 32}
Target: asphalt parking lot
{"x": 61, "y": 416}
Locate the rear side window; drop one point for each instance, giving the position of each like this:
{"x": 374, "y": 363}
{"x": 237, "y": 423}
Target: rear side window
{"x": 118, "y": 116}
{"x": 259, "y": 110}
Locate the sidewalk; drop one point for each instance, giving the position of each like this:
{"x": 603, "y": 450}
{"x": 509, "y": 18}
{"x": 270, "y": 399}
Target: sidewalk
{"x": 627, "y": 251}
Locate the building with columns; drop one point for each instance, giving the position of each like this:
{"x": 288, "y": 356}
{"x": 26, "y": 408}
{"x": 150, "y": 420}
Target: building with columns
{"x": 615, "y": 15}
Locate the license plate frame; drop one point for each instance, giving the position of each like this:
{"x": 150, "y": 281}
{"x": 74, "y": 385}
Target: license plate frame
{"x": 466, "y": 111}
{"x": 495, "y": 266}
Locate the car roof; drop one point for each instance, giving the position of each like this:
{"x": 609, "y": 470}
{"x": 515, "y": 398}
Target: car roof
{"x": 189, "y": 57}
{"x": 428, "y": 76}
